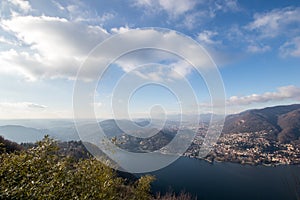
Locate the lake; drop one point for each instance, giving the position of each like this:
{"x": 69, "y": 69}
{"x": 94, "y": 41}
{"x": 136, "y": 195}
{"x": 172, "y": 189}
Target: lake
{"x": 229, "y": 180}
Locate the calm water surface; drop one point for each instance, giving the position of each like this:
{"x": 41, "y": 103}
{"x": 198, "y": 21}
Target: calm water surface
{"x": 229, "y": 180}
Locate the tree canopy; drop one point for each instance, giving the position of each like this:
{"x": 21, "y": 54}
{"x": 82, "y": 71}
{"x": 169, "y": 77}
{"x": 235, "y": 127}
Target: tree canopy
{"x": 42, "y": 173}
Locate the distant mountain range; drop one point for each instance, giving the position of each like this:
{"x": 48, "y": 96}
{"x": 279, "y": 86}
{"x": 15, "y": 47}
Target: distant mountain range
{"x": 21, "y": 134}
{"x": 66, "y": 130}
{"x": 282, "y": 122}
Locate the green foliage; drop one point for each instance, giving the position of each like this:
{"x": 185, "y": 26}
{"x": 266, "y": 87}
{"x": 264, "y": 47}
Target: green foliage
{"x": 42, "y": 173}
{"x": 143, "y": 187}
{"x": 7, "y": 146}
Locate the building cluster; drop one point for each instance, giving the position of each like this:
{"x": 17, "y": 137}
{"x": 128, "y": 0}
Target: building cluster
{"x": 255, "y": 148}
{"x": 248, "y": 148}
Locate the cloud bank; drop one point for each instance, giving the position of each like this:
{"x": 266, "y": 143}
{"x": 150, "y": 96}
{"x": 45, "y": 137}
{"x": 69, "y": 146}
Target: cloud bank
{"x": 290, "y": 92}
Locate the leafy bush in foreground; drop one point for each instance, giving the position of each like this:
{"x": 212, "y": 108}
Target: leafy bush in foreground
{"x": 42, "y": 173}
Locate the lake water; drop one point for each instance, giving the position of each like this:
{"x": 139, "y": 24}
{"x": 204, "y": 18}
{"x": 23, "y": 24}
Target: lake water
{"x": 229, "y": 180}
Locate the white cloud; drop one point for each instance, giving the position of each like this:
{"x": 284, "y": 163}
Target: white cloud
{"x": 134, "y": 59}
{"x": 106, "y": 16}
{"x": 53, "y": 47}
{"x": 21, "y": 109}
{"x": 206, "y": 11}
{"x": 7, "y": 41}
{"x": 259, "y": 35}
{"x": 58, "y": 5}
{"x": 180, "y": 69}
{"x": 245, "y": 40}
{"x": 54, "y": 36}
{"x": 121, "y": 29}
{"x": 236, "y": 104}
{"x": 187, "y": 13}
{"x": 290, "y": 92}
{"x": 21, "y": 105}
{"x": 156, "y": 73}
{"x": 173, "y": 8}
{"x": 177, "y": 8}
{"x": 291, "y": 48}
{"x": 22, "y": 4}
{"x": 231, "y": 5}
{"x": 253, "y": 48}
{"x": 176, "y": 66}
{"x": 223, "y": 6}
{"x": 98, "y": 104}
{"x": 29, "y": 110}
{"x": 191, "y": 19}
{"x": 173, "y": 71}
{"x": 34, "y": 105}
{"x": 276, "y": 22}
{"x": 206, "y": 37}
{"x": 78, "y": 11}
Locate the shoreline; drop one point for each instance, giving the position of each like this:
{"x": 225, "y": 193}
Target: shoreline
{"x": 241, "y": 163}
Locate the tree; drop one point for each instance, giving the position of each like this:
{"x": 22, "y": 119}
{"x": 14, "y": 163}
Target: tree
{"x": 42, "y": 173}
{"x": 7, "y": 146}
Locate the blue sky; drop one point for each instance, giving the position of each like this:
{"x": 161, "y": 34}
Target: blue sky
{"x": 255, "y": 44}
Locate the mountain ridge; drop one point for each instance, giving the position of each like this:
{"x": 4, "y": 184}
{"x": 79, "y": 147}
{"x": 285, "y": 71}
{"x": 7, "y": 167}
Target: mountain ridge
{"x": 282, "y": 122}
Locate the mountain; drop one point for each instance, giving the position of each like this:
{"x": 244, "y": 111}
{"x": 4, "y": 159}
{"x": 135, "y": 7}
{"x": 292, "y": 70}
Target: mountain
{"x": 290, "y": 124}
{"x": 7, "y": 146}
{"x": 204, "y": 118}
{"x": 63, "y": 133}
{"x": 66, "y": 131}
{"x": 282, "y": 122}
{"x": 110, "y": 127}
{"x": 37, "y": 123}
{"x": 21, "y": 134}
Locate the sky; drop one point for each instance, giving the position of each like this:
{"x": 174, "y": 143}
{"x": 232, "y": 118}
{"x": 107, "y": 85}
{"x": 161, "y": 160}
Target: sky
{"x": 255, "y": 45}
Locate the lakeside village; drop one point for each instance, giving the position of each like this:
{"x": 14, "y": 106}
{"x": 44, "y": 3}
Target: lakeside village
{"x": 256, "y": 148}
